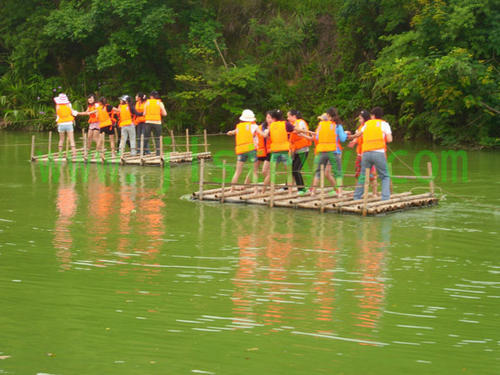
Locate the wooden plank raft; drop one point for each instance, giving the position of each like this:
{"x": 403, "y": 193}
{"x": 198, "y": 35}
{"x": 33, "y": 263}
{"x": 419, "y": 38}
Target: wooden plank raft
{"x": 83, "y": 155}
{"x": 324, "y": 199}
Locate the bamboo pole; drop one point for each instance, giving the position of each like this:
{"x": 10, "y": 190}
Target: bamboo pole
{"x": 50, "y": 146}
{"x": 202, "y": 170}
{"x": 205, "y": 139}
{"x": 33, "y": 148}
{"x": 431, "y": 181}
{"x": 322, "y": 185}
{"x": 367, "y": 184}
{"x": 142, "y": 149}
{"x": 162, "y": 161}
{"x": 223, "y": 180}
{"x": 187, "y": 139}
{"x": 173, "y": 140}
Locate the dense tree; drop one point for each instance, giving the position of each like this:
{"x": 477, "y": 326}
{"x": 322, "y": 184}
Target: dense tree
{"x": 432, "y": 64}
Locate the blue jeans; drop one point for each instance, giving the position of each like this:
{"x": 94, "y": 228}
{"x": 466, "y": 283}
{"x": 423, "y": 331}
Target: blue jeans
{"x": 377, "y": 159}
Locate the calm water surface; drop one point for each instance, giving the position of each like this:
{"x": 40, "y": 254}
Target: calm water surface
{"x": 106, "y": 270}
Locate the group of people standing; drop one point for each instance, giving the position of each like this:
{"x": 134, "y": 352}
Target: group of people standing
{"x": 289, "y": 141}
{"x": 130, "y": 120}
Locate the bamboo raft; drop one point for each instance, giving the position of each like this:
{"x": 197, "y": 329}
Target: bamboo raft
{"x": 322, "y": 200}
{"x": 159, "y": 158}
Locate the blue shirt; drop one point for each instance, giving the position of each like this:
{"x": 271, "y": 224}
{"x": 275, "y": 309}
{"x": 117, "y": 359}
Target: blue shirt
{"x": 341, "y": 137}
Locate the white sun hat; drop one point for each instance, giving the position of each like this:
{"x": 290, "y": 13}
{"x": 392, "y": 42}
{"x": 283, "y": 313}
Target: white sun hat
{"x": 247, "y": 115}
{"x": 61, "y": 99}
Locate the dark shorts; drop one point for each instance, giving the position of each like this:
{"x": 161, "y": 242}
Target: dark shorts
{"x": 107, "y": 130}
{"x": 264, "y": 158}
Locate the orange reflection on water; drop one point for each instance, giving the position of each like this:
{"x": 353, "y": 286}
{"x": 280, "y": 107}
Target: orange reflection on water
{"x": 66, "y": 204}
{"x": 372, "y": 289}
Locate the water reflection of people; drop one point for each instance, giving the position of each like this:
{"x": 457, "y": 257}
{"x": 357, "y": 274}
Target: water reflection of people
{"x": 66, "y": 204}
{"x": 373, "y": 241}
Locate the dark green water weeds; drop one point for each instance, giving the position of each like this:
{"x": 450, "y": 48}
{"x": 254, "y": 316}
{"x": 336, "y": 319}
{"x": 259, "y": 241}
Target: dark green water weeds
{"x": 105, "y": 270}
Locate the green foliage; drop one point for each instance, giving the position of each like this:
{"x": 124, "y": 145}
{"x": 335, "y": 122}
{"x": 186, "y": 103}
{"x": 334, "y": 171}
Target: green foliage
{"x": 431, "y": 64}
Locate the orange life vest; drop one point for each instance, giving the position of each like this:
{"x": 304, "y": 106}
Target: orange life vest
{"x": 297, "y": 141}
{"x": 373, "y": 137}
{"x": 327, "y": 137}
{"x": 262, "y": 147}
{"x": 103, "y": 117}
{"x": 139, "y": 107}
{"x": 244, "y": 138}
{"x": 154, "y": 110}
{"x": 93, "y": 116}
{"x": 278, "y": 136}
{"x": 125, "y": 115}
{"x": 64, "y": 113}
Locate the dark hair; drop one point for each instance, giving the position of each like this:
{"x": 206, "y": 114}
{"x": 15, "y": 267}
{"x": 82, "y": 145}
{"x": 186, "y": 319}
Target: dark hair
{"x": 155, "y": 94}
{"x": 92, "y": 96}
{"x": 378, "y": 112}
{"x": 141, "y": 96}
{"x": 365, "y": 114}
{"x": 102, "y": 100}
{"x": 276, "y": 114}
{"x": 296, "y": 113}
{"x": 334, "y": 115}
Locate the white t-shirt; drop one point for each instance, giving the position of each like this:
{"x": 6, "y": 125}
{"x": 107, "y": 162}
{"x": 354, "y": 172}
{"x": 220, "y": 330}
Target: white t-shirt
{"x": 386, "y": 129}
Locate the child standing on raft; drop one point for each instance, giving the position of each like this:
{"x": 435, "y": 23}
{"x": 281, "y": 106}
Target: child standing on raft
{"x": 105, "y": 126}
{"x": 65, "y": 121}
{"x": 326, "y": 137}
{"x": 245, "y": 132}
{"x": 376, "y": 133}
{"x": 277, "y": 134}
{"x": 127, "y": 129}
{"x": 299, "y": 146}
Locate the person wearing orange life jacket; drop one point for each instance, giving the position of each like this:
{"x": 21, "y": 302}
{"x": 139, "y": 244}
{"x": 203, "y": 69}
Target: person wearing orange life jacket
{"x": 91, "y": 111}
{"x": 154, "y": 110}
{"x": 358, "y": 143}
{"x": 326, "y": 137}
{"x": 376, "y": 133}
{"x": 139, "y": 121}
{"x": 245, "y": 133}
{"x": 105, "y": 126}
{"x": 263, "y": 145}
{"x": 300, "y": 141}
{"x": 127, "y": 129}
{"x": 65, "y": 120}
{"x": 278, "y": 134}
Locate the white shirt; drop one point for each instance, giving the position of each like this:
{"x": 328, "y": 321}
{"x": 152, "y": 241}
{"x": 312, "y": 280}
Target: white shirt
{"x": 386, "y": 129}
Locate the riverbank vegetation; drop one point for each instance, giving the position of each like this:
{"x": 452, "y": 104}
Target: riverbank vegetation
{"x": 431, "y": 64}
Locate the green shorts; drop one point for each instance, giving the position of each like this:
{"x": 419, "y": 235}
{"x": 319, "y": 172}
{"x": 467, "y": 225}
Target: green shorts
{"x": 281, "y": 156}
{"x": 252, "y": 155}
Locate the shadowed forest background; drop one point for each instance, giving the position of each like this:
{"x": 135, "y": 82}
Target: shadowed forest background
{"x": 431, "y": 64}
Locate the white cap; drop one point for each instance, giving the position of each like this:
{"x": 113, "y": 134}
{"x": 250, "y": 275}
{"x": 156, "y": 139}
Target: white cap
{"x": 61, "y": 99}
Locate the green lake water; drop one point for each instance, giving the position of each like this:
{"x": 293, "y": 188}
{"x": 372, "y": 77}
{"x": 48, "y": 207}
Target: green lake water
{"x": 106, "y": 270}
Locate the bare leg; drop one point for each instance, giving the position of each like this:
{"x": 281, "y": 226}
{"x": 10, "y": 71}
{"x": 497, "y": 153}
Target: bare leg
{"x": 71, "y": 137}
{"x": 237, "y": 173}
{"x": 61, "y": 142}
{"x": 112, "y": 142}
